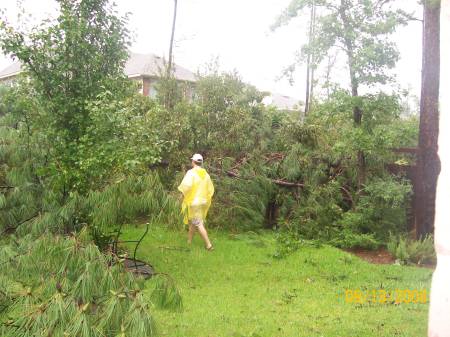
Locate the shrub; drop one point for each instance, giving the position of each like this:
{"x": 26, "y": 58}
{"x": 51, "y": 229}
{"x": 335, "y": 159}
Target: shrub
{"x": 407, "y": 250}
{"x": 349, "y": 239}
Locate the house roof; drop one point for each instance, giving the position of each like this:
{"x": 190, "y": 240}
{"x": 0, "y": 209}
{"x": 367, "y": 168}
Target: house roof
{"x": 282, "y": 102}
{"x": 11, "y": 70}
{"x": 136, "y": 66}
{"x": 152, "y": 65}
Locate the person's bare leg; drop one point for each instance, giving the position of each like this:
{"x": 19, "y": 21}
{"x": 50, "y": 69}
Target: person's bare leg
{"x": 191, "y": 233}
{"x": 204, "y": 235}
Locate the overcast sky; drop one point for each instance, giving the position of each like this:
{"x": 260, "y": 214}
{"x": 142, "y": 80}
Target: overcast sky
{"x": 236, "y": 31}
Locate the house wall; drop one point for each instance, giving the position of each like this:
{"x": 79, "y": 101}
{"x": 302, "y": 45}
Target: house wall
{"x": 189, "y": 92}
{"x": 146, "y": 83}
{"x": 10, "y": 80}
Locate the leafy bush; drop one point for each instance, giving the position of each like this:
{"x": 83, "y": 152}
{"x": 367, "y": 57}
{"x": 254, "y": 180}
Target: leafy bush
{"x": 349, "y": 239}
{"x": 384, "y": 204}
{"x": 407, "y": 250}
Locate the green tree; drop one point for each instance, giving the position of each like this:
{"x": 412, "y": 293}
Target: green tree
{"x": 228, "y": 107}
{"x": 361, "y": 30}
{"x": 69, "y": 62}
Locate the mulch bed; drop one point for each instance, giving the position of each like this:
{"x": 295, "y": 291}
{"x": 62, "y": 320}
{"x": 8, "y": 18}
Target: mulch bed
{"x": 379, "y": 256}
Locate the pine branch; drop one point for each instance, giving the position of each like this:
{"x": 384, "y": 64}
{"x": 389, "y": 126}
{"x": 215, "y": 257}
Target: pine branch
{"x": 14, "y": 228}
{"x": 349, "y": 196}
{"x": 278, "y": 182}
{"x": 82, "y": 291}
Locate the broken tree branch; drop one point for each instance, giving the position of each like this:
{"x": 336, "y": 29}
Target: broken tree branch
{"x": 275, "y": 181}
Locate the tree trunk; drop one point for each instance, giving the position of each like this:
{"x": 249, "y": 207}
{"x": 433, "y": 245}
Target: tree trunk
{"x": 307, "y": 84}
{"x": 428, "y": 165}
{"x": 313, "y": 57}
{"x": 330, "y": 64}
{"x": 169, "y": 67}
{"x": 357, "y": 112}
{"x": 357, "y": 119}
{"x": 168, "y": 99}
{"x": 308, "y": 61}
{"x": 439, "y": 312}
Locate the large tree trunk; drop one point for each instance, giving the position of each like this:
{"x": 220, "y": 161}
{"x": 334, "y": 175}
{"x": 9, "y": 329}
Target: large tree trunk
{"x": 428, "y": 165}
{"x": 439, "y": 323}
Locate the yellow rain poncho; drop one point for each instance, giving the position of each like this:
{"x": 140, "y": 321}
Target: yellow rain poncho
{"x": 197, "y": 189}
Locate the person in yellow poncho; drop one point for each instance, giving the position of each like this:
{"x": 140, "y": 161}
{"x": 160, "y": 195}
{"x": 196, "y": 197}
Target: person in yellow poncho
{"x": 197, "y": 189}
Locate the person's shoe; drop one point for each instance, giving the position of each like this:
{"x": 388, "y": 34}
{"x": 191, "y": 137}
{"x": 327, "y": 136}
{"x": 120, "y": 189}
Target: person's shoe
{"x": 210, "y": 248}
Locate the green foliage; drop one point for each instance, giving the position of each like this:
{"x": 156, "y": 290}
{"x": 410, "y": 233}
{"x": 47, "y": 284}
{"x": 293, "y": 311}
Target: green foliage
{"x": 320, "y": 153}
{"x": 165, "y": 295}
{"x": 65, "y": 286}
{"x": 228, "y": 109}
{"x": 69, "y": 64}
{"x": 407, "y": 250}
{"x": 352, "y": 239}
{"x": 380, "y": 209}
{"x": 21, "y": 153}
{"x": 126, "y": 200}
{"x": 361, "y": 29}
{"x": 89, "y": 166}
{"x": 169, "y": 90}
{"x": 122, "y": 137}
{"x": 105, "y": 211}
{"x": 76, "y": 146}
{"x": 121, "y": 143}
{"x": 314, "y": 216}
{"x": 242, "y": 204}
{"x": 289, "y": 242}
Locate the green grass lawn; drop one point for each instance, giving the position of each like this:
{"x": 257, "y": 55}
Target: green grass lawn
{"x": 241, "y": 290}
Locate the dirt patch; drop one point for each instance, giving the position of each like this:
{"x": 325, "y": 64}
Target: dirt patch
{"x": 382, "y": 256}
{"x": 379, "y": 256}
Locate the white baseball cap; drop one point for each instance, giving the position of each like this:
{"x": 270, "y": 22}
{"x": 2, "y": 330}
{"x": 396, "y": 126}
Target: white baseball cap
{"x": 197, "y": 157}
